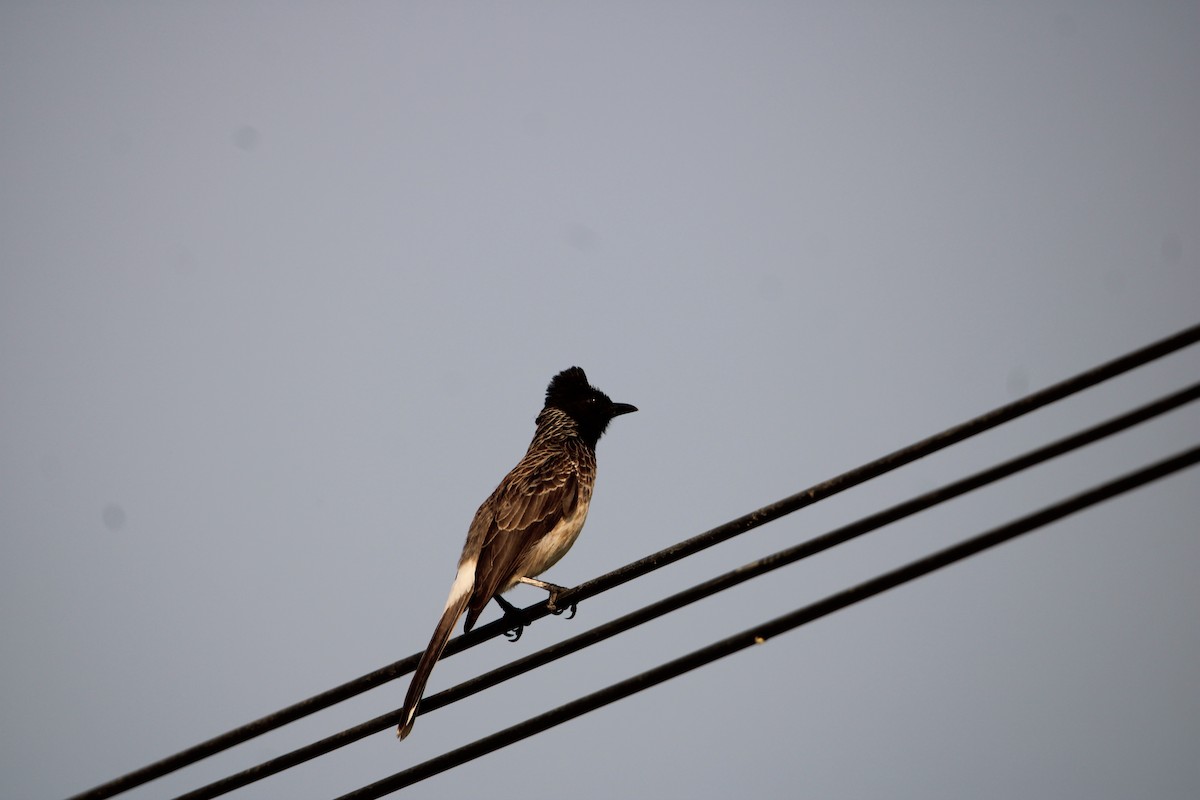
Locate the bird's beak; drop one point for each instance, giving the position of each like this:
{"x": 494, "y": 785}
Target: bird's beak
{"x": 622, "y": 408}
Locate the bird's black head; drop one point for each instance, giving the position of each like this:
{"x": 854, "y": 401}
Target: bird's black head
{"x": 592, "y": 410}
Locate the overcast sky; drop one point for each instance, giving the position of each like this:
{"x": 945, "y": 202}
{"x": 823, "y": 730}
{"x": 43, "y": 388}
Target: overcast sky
{"x": 282, "y": 285}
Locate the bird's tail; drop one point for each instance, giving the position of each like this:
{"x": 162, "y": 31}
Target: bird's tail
{"x": 460, "y": 594}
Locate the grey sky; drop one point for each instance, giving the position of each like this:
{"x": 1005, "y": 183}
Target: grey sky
{"x": 281, "y": 286}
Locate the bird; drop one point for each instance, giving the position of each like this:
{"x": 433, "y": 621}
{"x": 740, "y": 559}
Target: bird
{"x": 529, "y": 522}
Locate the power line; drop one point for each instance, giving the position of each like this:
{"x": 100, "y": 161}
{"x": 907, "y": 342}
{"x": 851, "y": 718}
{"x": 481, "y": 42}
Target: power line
{"x": 702, "y": 590}
{"x": 760, "y": 634}
{"x": 655, "y": 561}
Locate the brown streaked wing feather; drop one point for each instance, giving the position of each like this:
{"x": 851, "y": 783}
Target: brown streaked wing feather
{"x": 525, "y": 507}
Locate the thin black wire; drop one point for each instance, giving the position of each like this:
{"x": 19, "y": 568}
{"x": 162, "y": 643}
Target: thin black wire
{"x": 700, "y": 591}
{"x": 763, "y": 632}
{"x": 654, "y": 561}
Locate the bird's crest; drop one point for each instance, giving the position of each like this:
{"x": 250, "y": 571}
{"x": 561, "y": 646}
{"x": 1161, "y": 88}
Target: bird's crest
{"x": 569, "y": 385}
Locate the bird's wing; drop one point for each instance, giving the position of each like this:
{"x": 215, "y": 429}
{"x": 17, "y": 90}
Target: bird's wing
{"x": 526, "y": 506}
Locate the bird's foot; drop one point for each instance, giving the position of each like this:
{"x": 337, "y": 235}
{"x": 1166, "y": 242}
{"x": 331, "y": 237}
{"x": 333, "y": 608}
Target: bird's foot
{"x": 515, "y": 615}
{"x": 554, "y": 590}
{"x": 552, "y": 604}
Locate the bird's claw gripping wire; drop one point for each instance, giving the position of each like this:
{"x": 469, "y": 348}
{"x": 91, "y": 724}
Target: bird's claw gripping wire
{"x": 552, "y": 604}
{"x": 554, "y": 591}
{"x": 512, "y": 613}
{"x": 572, "y": 608}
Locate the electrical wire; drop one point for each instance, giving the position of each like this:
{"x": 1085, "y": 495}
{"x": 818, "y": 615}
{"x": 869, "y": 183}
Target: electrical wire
{"x": 761, "y": 633}
{"x": 702, "y": 590}
{"x": 655, "y": 561}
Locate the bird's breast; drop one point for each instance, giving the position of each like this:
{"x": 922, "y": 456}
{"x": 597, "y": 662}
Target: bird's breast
{"x": 555, "y": 544}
